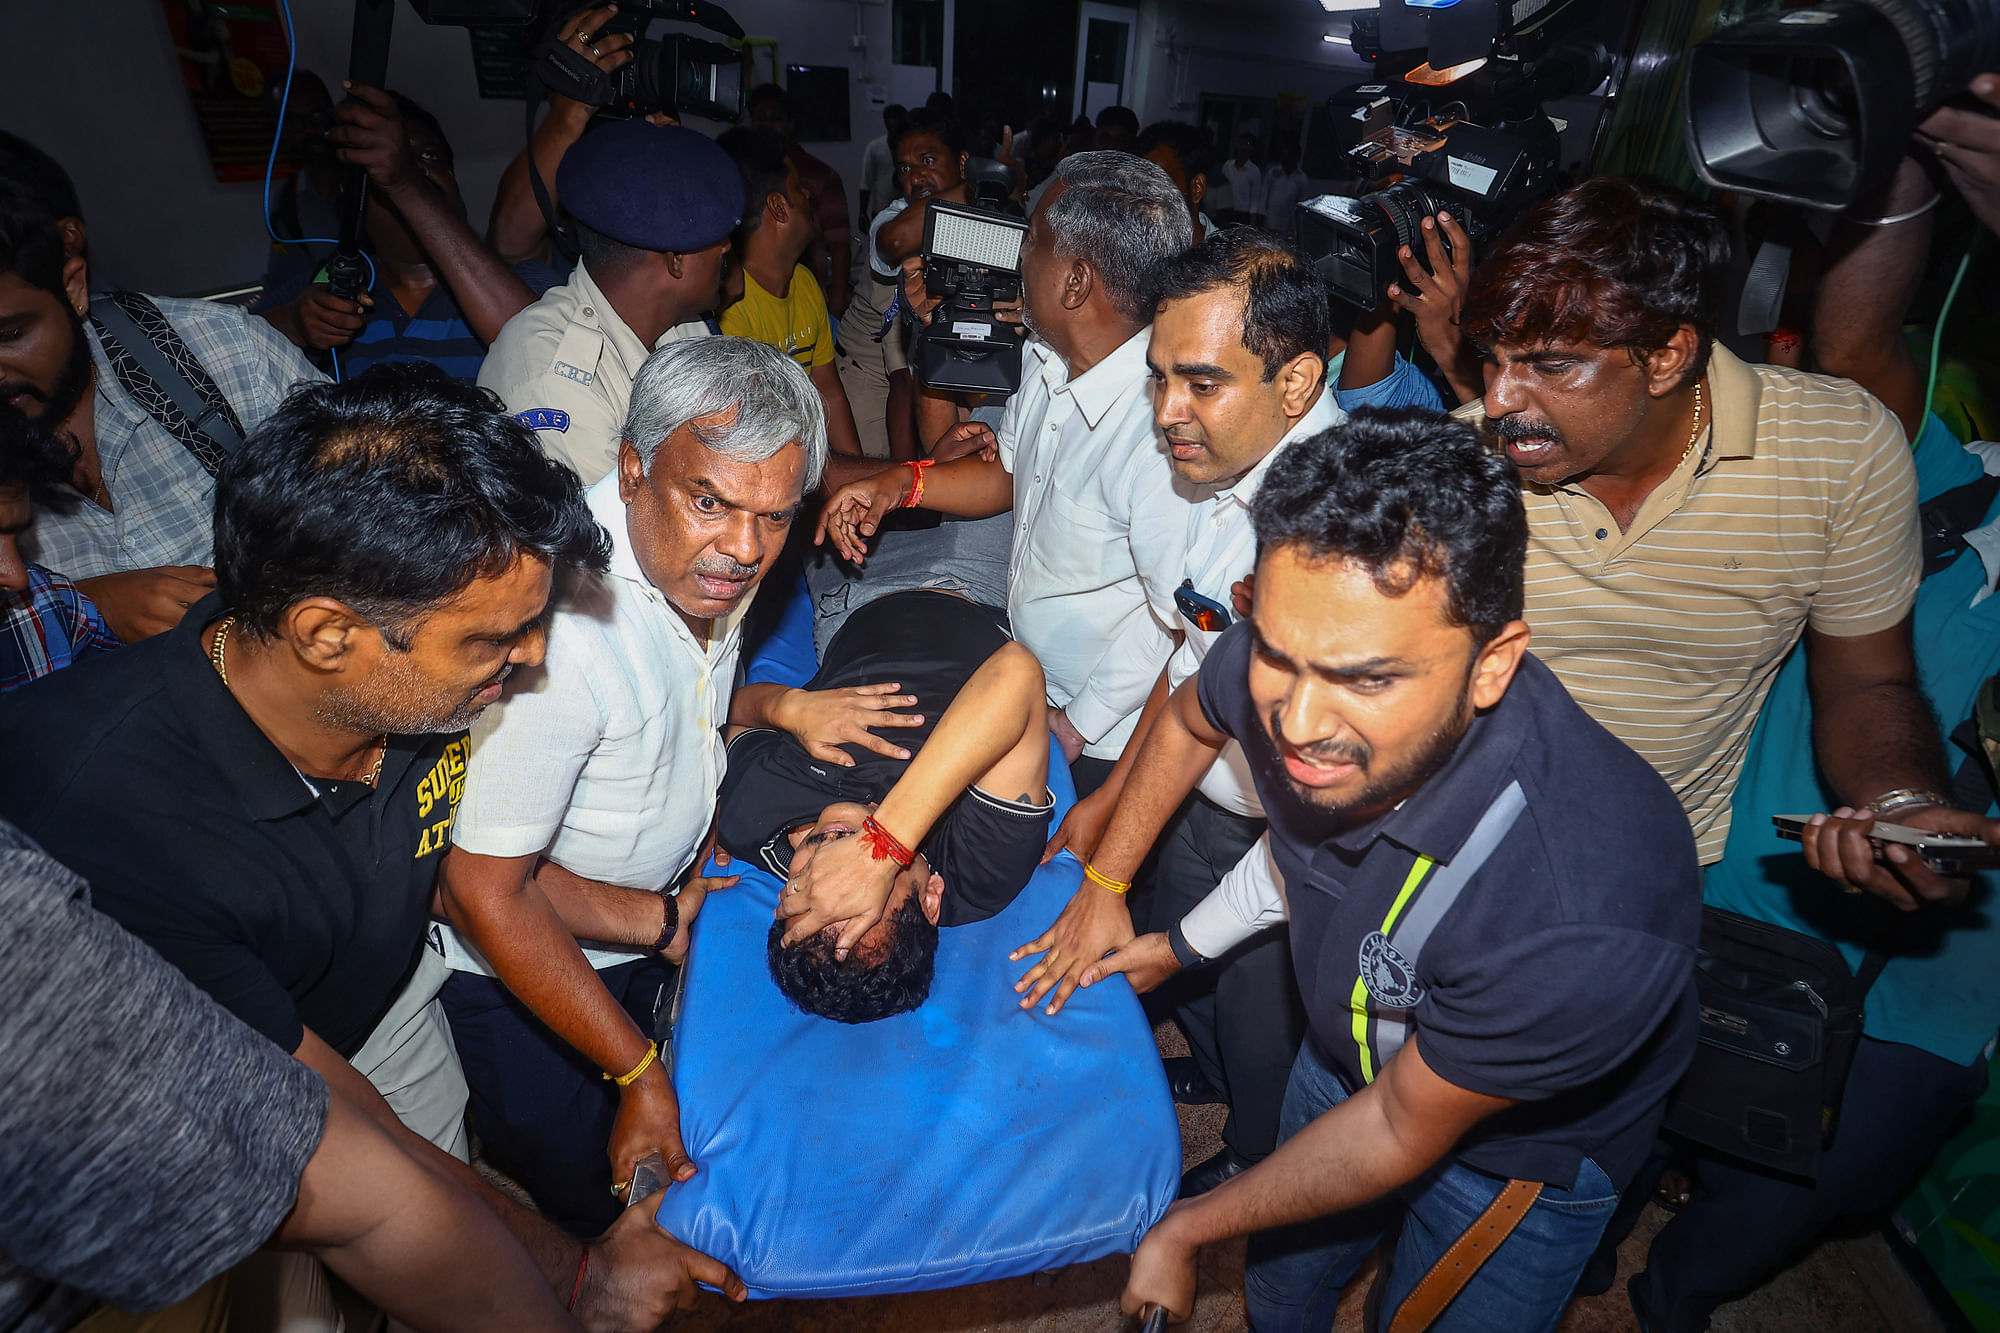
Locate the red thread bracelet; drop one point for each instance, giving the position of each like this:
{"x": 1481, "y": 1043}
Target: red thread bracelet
{"x": 1783, "y": 340}
{"x": 883, "y": 844}
{"x": 576, "y": 1289}
{"x": 916, "y": 495}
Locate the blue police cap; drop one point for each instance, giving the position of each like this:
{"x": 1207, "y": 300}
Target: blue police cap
{"x": 653, "y": 187}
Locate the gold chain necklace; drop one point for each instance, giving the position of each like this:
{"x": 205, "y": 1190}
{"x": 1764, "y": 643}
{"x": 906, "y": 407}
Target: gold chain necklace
{"x": 217, "y": 658}
{"x": 1695, "y": 433}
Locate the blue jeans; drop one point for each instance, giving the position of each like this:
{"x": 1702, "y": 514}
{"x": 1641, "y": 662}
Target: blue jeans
{"x": 1296, "y": 1273}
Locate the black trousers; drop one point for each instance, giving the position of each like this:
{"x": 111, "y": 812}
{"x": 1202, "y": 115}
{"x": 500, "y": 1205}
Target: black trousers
{"x": 1742, "y": 1225}
{"x": 542, "y": 1112}
{"x": 1242, "y": 1013}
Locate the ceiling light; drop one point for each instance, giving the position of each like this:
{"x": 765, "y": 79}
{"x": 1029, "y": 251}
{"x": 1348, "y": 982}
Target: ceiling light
{"x": 1345, "y": 6}
{"x": 1336, "y": 37}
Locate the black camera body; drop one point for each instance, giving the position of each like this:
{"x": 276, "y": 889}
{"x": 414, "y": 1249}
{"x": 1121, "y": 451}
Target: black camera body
{"x": 1482, "y": 175}
{"x": 1815, "y": 106}
{"x": 972, "y": 259}
{"x": 678, "y": 73}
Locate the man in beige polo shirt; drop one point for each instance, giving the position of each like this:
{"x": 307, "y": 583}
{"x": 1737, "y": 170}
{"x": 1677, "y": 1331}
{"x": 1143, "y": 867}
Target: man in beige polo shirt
{"x": 1691, "y": 516}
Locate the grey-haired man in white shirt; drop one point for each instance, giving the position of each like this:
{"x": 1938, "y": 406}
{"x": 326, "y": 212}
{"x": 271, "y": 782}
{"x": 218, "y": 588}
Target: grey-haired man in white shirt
{"x": 592, "y": 786}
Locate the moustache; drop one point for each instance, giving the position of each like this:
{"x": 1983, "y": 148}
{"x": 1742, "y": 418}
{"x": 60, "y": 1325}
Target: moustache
{"x": 1323, "y": 753}
{"x": 1522, "y": 428}
{"x": 722, "y": 567}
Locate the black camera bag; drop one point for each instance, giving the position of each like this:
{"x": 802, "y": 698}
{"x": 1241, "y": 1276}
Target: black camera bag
{"x": 1780, "y": 1020}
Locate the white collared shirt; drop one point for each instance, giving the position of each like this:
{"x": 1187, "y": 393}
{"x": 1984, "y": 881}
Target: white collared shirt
{"x": 1100, "y": 523}
{"x": 607, "y": 757}
{"x": 1221, "y": 551}
{"x": 564, "y": 368}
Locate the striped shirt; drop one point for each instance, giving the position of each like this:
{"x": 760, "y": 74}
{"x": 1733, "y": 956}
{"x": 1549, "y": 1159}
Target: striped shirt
{"x": 436, "y": 331}
{"x": 164, "y": 497}
{"x": 1800, "y": 510}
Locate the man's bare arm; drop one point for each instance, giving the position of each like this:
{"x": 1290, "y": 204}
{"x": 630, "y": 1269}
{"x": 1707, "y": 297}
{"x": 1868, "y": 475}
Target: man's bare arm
{"x": 555, "y": 1254}
{"x": 410, "y": 1239}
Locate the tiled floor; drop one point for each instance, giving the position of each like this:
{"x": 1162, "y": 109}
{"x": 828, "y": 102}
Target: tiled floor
{"x": 1845, "y": 1286}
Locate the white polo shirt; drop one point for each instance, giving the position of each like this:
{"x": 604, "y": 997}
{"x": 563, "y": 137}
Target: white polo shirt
{"x": 1222, "y": 550}
{"x": 1100, "y": 527}
{"x": 564, "y": 368}
{"x": 607, "y": 757}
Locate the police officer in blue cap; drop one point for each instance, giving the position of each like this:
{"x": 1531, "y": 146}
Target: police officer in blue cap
{"x": 654, "y": 206}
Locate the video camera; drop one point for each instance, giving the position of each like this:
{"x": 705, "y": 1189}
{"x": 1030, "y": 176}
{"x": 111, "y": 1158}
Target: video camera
{"x": 1462, "y": 130}
{"x": 972, "y": 258}
{"x": 680, "y": 74}
{"x": 1816, "y": 106}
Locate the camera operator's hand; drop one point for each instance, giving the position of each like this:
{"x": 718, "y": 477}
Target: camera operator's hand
{"x": 580, "y": 33}
{"x": 327, "y": 321}
{"x": 1435, "y": 298}
{"x": 1967, "y": 145}
{"x": 917, "y": 298}
{"x": 368, "y": 132}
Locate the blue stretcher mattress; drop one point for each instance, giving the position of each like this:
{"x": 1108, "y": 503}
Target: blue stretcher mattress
{"x": 966, "y": 1141}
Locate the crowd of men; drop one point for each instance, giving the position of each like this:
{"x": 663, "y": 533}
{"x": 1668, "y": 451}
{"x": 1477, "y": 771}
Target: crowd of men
{"x": 372, "y": 706}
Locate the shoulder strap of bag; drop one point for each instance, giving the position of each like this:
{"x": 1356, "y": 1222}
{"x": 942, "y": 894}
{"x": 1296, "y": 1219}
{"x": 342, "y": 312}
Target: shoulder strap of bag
{"x": 164, "y": 377}
{"x": 1408, "y": 933}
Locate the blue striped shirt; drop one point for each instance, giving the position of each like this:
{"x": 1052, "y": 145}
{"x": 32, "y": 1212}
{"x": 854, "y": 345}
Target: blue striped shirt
{"x": 47, "y": 626}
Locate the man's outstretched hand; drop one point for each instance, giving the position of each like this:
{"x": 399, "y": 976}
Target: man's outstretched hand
{"x": 1163, "y": 1274}
{"x": 637, "y": 1276}
{"x": 1095, "y": 922}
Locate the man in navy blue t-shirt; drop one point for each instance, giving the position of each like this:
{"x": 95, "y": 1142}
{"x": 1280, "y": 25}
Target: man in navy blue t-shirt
{"x": 1493, "y": 903}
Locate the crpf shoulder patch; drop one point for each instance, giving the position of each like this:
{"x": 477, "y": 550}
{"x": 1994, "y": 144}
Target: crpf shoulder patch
{"x": 543, "y": 418}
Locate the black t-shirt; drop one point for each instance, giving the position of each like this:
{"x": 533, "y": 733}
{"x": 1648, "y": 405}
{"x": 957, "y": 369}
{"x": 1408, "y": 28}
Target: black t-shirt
{"x": 985, "y": 845}
{"x": 1561, "y": 978}
{"x": 141, "y": 773}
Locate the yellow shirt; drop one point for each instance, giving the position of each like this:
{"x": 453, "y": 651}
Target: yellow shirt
{"x": 796, "y": 323}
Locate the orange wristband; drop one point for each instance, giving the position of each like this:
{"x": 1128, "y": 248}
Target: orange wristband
{"x": 916, "y": 495}
{"x": 883, "y": 844}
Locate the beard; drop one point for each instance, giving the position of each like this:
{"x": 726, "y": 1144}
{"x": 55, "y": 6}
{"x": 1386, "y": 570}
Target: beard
{"x": 60, "y": 399}
{"x": 401, "y": 702}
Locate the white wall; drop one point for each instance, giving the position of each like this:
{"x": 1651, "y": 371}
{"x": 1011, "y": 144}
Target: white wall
{"x": 122, "y": 123}
{"x": 1236, "y": 51}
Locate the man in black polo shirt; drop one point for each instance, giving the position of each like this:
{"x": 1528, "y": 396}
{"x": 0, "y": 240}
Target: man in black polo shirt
{"x": 1493, "y": 903}
{"x": 966, "y": 814}
{"x": 263, "y": 794}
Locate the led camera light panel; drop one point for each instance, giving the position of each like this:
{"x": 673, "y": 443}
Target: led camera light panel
{"x": 971, "y": 240}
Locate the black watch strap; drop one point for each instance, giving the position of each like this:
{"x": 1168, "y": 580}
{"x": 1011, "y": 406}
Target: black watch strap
{"x": 1185, "y": 952}
{"x": 671, "y": 925}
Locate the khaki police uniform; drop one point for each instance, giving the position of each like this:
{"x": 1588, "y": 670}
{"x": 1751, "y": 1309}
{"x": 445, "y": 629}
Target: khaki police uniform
{"x": 564, "y": 368}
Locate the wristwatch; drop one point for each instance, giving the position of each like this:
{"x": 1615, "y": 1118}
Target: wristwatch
{"x": 1185, "y": 952}
{"x": 671, "y": 925}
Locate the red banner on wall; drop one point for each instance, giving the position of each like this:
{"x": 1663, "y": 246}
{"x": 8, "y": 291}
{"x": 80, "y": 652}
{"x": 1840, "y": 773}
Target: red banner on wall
{"x": 232, "y": 59}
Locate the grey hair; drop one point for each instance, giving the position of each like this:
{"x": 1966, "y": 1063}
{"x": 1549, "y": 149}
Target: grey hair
{"x": 1121, "y": 215}
{"x": 776, "y": 404}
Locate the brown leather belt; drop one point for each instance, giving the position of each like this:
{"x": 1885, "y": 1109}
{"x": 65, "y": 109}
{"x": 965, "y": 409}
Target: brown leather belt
{"x": 1455, "y": 1267}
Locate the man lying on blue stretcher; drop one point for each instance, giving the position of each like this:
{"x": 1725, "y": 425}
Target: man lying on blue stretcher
{"x": 881, "y": 852}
